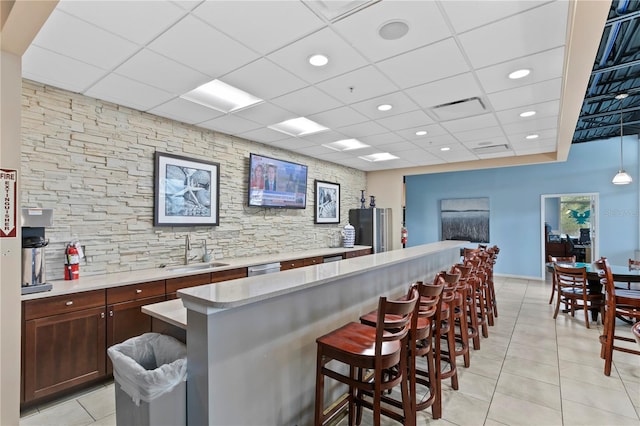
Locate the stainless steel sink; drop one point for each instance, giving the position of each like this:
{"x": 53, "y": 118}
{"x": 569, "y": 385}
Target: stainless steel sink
{"x": 197, "y": 267}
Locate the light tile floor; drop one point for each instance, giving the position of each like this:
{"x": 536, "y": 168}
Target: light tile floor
{"x": 531, "y": 369}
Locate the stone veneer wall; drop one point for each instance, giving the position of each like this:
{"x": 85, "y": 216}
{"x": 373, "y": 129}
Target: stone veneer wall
{"x": 92, "y": 162}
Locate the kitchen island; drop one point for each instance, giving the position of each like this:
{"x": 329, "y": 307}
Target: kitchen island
{"x": 251, "y": 342}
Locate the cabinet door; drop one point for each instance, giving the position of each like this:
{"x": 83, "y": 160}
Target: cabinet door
{"x": 126, "y": 320}
{"x": 63, "y": 351}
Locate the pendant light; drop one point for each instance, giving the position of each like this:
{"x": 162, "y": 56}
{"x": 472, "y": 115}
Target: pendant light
{"x": 622, "y": 177}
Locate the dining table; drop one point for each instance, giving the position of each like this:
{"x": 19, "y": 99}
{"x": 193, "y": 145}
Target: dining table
{"x": 621, "y": 274}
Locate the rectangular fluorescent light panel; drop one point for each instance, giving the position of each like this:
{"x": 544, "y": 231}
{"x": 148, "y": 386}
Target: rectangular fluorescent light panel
{"x": 221, "y": 97}
{"x": 381, "y": 156}
{"x": 298, "y": 127}
{"x": 346, "y": 145}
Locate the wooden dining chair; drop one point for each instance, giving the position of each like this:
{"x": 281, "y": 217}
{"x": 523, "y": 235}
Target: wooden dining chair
{"x": 573, "y": 290}
{"x": 633, "y": 265}
{"x": 559, "y": 259}
{"x": 617, "y": 302}
{"x": 367, "y": 353}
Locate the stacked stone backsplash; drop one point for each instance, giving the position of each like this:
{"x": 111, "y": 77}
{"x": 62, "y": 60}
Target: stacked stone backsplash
{"x": 92, "y": 162}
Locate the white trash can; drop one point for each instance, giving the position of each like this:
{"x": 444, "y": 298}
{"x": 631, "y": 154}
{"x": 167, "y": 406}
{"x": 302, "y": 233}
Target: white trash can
{"x": 150, "y": 373}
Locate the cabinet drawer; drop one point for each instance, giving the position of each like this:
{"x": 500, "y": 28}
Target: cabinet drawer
{"x": 62, "y": 304}
{"x": 312, "y": 260}
{"x": 175, "y": 284}
{"x": 135, "y": 291}
{"x": 291, "y": 264}
{"x": 229, "y": 274}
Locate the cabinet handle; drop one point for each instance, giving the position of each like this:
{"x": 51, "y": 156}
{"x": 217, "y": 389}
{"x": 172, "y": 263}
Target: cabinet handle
{"x": 138, "y": 291}
{"x": 69, "y": 303}
{"x": 102, "y": 315}
{"x": 110, "y": 313}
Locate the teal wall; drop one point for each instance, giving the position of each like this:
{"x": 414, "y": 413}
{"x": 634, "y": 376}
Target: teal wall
{"x": 515, "y": 196}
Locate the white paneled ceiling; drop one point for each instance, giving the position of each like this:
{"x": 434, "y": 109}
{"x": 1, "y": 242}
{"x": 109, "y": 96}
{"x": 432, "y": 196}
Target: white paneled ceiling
{"x": 145, "y": 54}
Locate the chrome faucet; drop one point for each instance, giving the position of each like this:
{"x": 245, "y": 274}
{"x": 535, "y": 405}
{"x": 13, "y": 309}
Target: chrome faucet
{"x": 187, "y": 249}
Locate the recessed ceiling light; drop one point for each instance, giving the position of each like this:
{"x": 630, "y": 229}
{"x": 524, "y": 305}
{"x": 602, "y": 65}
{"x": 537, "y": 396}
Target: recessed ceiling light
{"x": 421, "y": 132}
{"x": 384, "y": 107}
{"x": 534, "y": 136}
{"x": 298, "y": 127}
{"x": 393, "y": 30}
{"x": 221, "y": 97}
{"x": 381, "y": 156}
{"x": 519, "y": 74}
{"x": 318, "y": 60}
{"x": 527, "y": 114}
{"x": 346, "y": 145}
{"x": 445, "y": 148}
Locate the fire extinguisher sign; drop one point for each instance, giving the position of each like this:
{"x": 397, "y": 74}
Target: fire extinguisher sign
{"x": 8, "y": 186}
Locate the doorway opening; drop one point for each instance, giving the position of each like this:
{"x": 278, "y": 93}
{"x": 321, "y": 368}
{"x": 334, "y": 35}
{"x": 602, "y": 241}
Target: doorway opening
{"x": 569, "y": 226}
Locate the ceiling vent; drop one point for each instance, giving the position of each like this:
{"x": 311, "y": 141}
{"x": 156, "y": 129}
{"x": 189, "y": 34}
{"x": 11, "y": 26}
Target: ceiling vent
{"x": 459, "y": 109}
{"x": 334, "y": 11}
{"x": 491, "y": 149}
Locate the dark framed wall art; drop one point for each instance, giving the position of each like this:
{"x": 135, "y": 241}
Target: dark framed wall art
{"x": 327, "y": 202}
{"x": 186, "y": 191}
{"x": 465, "y": 219}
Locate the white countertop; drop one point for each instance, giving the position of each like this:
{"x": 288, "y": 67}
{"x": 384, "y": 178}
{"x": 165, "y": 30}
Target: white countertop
{"x": 228, "y": 294}
{"x": 97, "y": 282}
{"x": 253, "y": 289}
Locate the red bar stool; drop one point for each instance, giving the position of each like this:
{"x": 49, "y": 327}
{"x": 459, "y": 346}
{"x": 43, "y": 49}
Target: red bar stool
{"x": 420, "y": 345}
{"x": 361, "y": 348}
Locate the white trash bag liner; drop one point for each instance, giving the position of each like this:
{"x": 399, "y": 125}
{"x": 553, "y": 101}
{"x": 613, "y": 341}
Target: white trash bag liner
{"x": 149, "y": 365}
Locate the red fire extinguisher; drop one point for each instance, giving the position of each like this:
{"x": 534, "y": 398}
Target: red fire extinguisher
{"x": 71, "y": 262}
{"x": 403, "y": 235}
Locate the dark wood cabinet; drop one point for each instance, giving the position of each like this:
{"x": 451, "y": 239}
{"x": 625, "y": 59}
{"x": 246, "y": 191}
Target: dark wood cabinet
{"x": 64, "y": 343}
{"x": 356, "y": 253}
{"x": 175, "y": 284}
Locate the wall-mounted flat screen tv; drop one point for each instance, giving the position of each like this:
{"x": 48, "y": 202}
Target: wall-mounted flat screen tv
{"x": 276, "y": 183}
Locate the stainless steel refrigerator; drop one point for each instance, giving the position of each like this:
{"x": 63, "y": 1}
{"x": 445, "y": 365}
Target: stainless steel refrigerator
{"x": 373, "y": 228}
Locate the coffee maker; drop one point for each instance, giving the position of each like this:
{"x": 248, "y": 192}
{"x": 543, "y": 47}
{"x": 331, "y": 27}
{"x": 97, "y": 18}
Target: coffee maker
{"x": 34, "y": 222}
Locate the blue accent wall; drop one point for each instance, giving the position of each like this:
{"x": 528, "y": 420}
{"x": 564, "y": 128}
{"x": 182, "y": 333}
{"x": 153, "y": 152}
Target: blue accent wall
{"x": 515, "y": 196}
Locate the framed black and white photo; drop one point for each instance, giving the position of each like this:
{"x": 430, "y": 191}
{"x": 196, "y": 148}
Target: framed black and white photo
{"x": 465, "y": 219}
{"x": 186, "y": 191}
{"x": 327, "y": 202}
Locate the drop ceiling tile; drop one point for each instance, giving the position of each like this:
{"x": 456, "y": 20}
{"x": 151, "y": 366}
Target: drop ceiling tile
{"x": 185, "y": 111}
{"x": 519, "y": 138}
{"x": 405, "y": 121}
{"x": 314, "y": 151}
{"x": 434, "y": 142}
{"x": 426, "y": 25}
{"x": 338, "y": 117}
{"x": 381, "y": 139}
{"x": 396, "y": 147}
{"x": 413, "y": 68}
{"x": 137, "y": 21}
{"x": 452, "y": 89}
{"x": 544, "y": 66}
{"x": 187, "y": 4}
{"x": 263, "y": 25}
{"x": 431, "y": 129}
{"x": 480, "y": 135}
{"x": 264, "y": 135}
{"x": 199, "y": 46}
{"x": 328, "y": 136}
{"x": 530, "y": 32}
{"x": 420, "y": 157}
{"x": 57, "y": 70}
{"x": 358, "y": 85}
{"x": 400, "y": 102}
{"x": 526, "y": 95}
{"x": 531, "y": 125}
{"x": 485, "y": 140}
{"x": 465, "y": 15}
{"x": 265, "y": 113}
{"x": 230, "y": 124}
{"x": 158, "y": 71}
{"x": 306, "y": 101}
{"x": 252, "y": 78}
{"x": 342, "y": 57}
{"x": 95, "y": 46}
{"x": 362, "y": 129}
{"x": 470, "y": 123}
{"x": 292, "y": 144}
{"x": 123, "y": 91}
{"x": 545, "y": 109}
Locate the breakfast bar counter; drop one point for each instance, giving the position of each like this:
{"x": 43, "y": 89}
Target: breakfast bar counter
{"x": 251, "y": 341}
